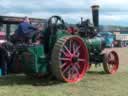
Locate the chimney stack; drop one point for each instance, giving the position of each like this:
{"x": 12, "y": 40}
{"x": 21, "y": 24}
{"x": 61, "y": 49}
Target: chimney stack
{"x": 95, "y": 15}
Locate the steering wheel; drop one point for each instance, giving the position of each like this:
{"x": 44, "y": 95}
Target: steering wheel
{"x": 56, "y": 22}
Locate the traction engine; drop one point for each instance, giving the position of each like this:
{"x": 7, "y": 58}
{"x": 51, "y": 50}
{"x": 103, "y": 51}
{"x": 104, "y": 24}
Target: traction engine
{"x": 64, "y": 55}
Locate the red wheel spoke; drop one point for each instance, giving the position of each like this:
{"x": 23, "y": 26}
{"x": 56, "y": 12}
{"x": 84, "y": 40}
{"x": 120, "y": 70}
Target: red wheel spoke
{"x": 72, "y": 73}
{"x": 65, "y": 59}
{"x": 63, "y": 65}
{"x": 76, "y": 70}
{"x": 69, "y": 75}
{"x": 67, "y": 50}
{"x": 66, "y": 54}
{"x": 81, "y": 60}
{"x": 76, "y": 50}
{"x": 77, "y": 64}
{"x": 66, "y": 69}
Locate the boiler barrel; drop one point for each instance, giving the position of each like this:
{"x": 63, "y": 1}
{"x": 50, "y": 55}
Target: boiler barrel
{"x": 95, "y": 43}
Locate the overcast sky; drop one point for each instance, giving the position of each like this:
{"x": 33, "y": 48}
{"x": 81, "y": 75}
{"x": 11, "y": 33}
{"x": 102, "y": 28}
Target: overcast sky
{"x": 113, "y": 12}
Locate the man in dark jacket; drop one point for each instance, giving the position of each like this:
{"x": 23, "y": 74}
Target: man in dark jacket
{"x": 25, "y": 30}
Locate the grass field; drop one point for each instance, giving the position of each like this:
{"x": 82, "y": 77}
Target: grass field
{"x": 95, "y": 83}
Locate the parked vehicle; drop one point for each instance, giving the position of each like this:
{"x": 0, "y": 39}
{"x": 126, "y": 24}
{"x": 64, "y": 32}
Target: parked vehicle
{"x": 108, "y": 37}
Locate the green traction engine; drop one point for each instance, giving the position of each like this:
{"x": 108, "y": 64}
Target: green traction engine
{"x": 65, "y": 53}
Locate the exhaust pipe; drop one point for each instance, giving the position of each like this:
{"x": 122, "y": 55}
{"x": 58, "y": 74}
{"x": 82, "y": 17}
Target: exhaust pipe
{"x": 95, "y": 15}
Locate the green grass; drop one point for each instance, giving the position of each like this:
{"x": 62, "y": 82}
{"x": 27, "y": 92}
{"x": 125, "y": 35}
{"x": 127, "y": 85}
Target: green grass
{"x": 95, "y": 83}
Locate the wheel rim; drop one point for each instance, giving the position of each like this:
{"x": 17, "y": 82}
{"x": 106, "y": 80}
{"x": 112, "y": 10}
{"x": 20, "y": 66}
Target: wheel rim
{"x": 112, "y": 62}
{"x": 73, "y": 63}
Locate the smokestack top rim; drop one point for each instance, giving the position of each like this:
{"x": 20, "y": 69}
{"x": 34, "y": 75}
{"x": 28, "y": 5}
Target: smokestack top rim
{"x": 95, "y": 6}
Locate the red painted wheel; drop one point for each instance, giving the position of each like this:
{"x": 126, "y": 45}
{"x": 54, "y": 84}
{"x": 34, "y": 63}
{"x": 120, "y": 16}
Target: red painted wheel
{"x": 69, "y": 59}
{"x": 111, "y": 62}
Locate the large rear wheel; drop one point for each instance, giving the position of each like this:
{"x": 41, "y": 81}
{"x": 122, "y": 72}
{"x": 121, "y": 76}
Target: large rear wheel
{"x": 69, "y": 59}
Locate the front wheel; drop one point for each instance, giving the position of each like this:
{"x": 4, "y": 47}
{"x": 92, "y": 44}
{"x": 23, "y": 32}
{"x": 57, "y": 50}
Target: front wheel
{"x": 110, "y": 62}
